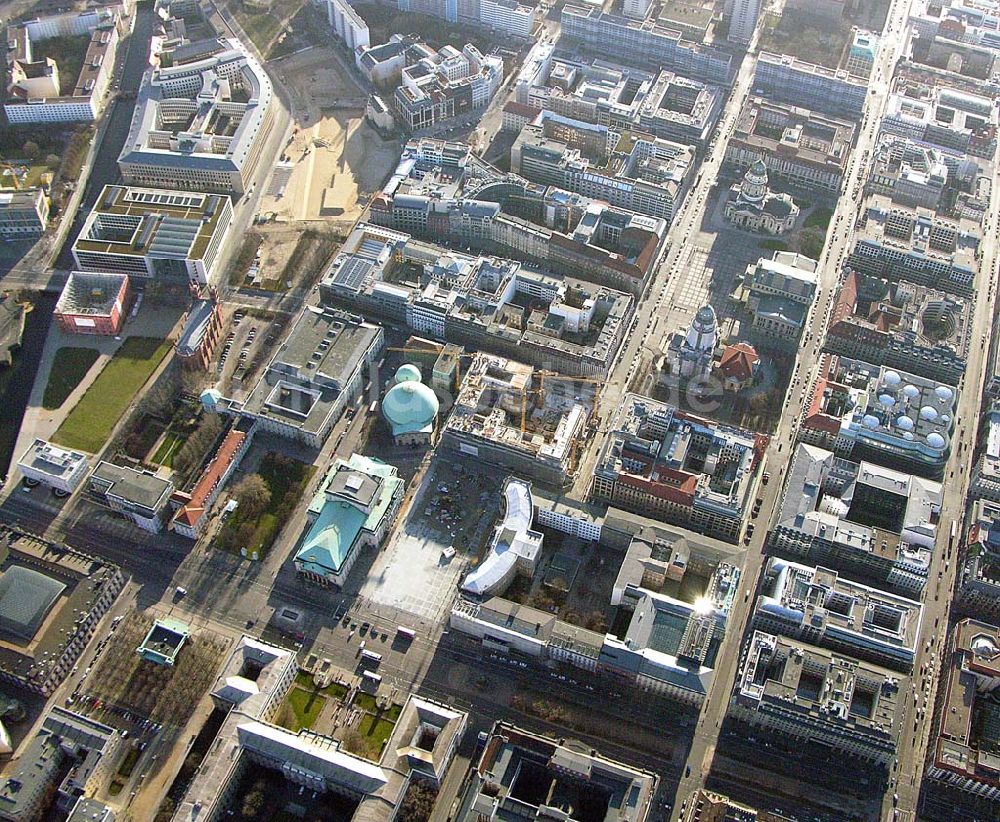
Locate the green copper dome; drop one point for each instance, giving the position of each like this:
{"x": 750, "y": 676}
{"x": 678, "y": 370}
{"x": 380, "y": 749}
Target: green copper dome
{"x": 409, "y": 406}
{"x": 408, "y": 372}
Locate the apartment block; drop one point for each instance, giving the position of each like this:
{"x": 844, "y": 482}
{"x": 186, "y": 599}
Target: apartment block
{"x": 797, "y": 145}
{"x": 664, "y": 463}
{"x": 788, "y": 79}
{"x": 643, "y": 43}
{"x": 483, "y": 302}
{"x": 640, "y": 173}
{"x": 35, "y": 93}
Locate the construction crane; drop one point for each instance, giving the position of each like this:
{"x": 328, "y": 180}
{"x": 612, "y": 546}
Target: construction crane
{"x": 12, "y": 171}
{"x": 553, "y": 375}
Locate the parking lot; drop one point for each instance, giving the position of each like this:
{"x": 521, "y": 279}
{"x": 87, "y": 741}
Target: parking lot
{"x": 443, "y": 531}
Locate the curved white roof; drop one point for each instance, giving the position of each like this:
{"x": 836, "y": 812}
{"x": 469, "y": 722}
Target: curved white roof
{"x": 513, "y": 542}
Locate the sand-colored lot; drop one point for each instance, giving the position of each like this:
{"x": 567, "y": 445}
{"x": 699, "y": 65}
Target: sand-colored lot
{"x": 332, "y": 147}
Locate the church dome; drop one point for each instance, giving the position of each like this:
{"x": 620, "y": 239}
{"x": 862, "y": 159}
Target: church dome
{"x": 409, "y": 406}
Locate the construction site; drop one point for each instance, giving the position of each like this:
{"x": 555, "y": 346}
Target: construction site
{"x": 527, "y": 421}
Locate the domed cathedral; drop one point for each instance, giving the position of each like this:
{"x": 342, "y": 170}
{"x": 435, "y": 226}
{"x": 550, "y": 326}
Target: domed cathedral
{"x": 691, "y": 354}
{"x": 410, "y": 408}
{"x": 753, "y": 206}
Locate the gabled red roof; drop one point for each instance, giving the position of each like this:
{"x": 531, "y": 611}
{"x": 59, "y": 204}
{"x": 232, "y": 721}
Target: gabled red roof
{"x": 214, "y": 471}
{"x": 738, "y": 361}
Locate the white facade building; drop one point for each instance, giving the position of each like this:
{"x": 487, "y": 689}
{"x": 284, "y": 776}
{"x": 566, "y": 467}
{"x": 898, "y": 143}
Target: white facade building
{"x": 743, "y": 20}
{"x": 348, "y": 24}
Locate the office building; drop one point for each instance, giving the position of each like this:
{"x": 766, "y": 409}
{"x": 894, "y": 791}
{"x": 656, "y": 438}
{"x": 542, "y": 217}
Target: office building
{"x": 163, "y": 642}
{"x": 819, "y": 606}
{"x": 69, "y": 756}
{"x": 515, "y": 763}
{"x": 318, "y": 370}
{"x": 780, "y": 293}
{"x": 530, "y": 423}
{"x": 985, "y": 481}
{"x": 441, "y": 85}
{"x": 139, "y": 495}
{"x": 978, "y": 590}
{"x": 353, "y": 509}
{"x": 916, "y": 245}
{"x": 643, "y": 174}
{"x": 743, "y": 20}
{"x": 50, "y": 604}
{"x": 815, "y": 696}
{"x": 250, "y": 690}
{"x": 862, "y": 53}
{"x": 798, "y": 147}
{"x": 201, "y": 121}
{"x": 505, "y": 17}
{"x": 92, "y": 303}
{"x": 788, "y": 79}
{"x": 858, "y": 518}
{"x": 643, "y": 43}
{"x": 863, "y": 411}
{"x": 911, "y": 173}
{"x": 440, "y": 191}
{"x": 481, "y": 302}
{"x": 169, "y": 237}
{"x": 670, "y": 465}
{"x": 903, "y": 326}
{"x": 348, "y": 25}
{"x": 57, "y": 468}
{"x": 962, "y": 779}
{"x": 24, "y": 214}
{"x": 35, "y": 92}
{"x": 944, "y": 117}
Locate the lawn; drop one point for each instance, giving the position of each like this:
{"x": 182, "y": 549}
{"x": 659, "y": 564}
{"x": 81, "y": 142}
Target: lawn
{"x": 377, "y": 730}
{"x": 89, "y": 424}
{"x": 819, "y": 218}
{"x": 773, "y": 245}
{"x": 365, "y": 701}
{"x": 68, "y": 52}
{"x": 68, "y": 370}
{"x": 306, "y": 707}
{"x": 287, "y": 480}
{"x": 165, "y": 453}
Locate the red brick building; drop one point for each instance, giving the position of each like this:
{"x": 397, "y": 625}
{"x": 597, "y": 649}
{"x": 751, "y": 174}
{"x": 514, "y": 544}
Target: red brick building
{"x": 93, "y": 303}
